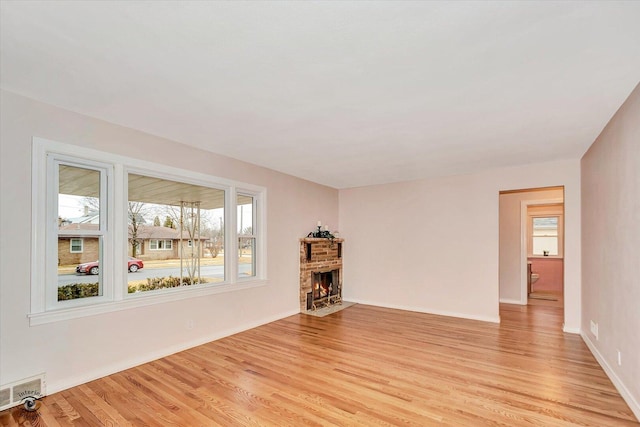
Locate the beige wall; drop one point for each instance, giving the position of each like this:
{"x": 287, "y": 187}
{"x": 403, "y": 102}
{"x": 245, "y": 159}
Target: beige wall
{"x": 511, "y": 270}
{"x": 432, "y": 245}
{"x": 611, "y": 247}
{"x": 75, "y": 351}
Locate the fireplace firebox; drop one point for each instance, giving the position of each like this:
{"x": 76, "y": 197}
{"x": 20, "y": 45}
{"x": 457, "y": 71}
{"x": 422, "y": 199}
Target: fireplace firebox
{"x": 325, "y": 289}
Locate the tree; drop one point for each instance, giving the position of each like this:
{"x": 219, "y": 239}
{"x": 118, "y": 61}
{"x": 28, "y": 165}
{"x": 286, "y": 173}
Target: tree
{"x": 135, "y": 213}
{"x": 245, "y": 239}
{"x": 136, "y": 218}
{"x": 187, "y": 216}
{"x": 156, "y": 221}
{"x": 168, "y": 222}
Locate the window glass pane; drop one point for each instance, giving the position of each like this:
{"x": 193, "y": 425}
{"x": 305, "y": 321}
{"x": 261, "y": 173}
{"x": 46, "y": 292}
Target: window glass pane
{"x": 246, "y": 261}
{"x": 78, "y": 198}
{"x": 76, "y": 245}
{"x": 79, "y": 274}
{"x": 246, "y": 236}
{"x": 547, "y": 226}
{"x": 545, "y": 245}
{"x": 164, "y": 216}
{"x": 545, "y": 236}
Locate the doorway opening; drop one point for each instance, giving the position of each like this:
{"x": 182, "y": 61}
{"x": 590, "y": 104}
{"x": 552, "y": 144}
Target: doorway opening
{"x": 544, "y": 249}
{"x": 532, "y": 246}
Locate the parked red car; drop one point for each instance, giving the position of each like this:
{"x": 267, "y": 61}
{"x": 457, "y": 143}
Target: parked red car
{"x": 134, "y": 264}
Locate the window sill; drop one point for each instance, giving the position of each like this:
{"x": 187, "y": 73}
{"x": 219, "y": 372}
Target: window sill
{"x": 141, "y": 300}
{"x": 546, "y": 257}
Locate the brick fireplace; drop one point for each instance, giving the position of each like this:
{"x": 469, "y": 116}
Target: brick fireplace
{"x": 320, "y": 273}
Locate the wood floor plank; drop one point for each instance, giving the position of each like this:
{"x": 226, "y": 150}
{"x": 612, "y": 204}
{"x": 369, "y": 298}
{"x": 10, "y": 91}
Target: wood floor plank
{"x": 362, "y": 366}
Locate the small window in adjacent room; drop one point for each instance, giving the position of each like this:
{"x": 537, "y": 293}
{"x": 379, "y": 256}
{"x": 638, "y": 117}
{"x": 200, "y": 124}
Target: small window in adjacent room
{"x": 545, "y": 236}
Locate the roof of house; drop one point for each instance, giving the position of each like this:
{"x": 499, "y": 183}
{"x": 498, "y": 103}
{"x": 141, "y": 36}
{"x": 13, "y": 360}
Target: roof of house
{"x": 158, "y": 232}
{"x": 78, "y": 226}
{"x": 144, "y": 231}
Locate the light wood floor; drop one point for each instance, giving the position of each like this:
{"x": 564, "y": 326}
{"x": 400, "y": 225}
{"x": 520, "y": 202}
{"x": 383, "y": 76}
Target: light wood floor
{"x": 548, "y": 298}
{"x": 361, "y": 366}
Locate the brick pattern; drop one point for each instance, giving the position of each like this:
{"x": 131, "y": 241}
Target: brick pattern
{"x": 324, "y": 257}
{"x": 89, "y": 251}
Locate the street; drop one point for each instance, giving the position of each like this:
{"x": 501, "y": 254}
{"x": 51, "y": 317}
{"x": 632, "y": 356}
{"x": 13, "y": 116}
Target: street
{"x": 216, "y": 271}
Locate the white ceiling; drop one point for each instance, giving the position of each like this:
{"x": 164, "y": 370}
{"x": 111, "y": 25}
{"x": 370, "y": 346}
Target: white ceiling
{"x": 341, "y": 93}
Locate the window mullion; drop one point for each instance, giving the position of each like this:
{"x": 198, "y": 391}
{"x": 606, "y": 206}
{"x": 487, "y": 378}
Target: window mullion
{"x": 117, "y": 227}
{"x": 51, "y": 227}
{"x": 231, "y": 237}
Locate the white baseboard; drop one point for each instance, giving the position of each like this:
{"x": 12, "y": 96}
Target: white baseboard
{"x": 617, "y": 382}
{"x": 430, "y": 311}
{"x": 571, "y": 330}
{"x": 55, "y": 387}
{"x": 511, "y": 301}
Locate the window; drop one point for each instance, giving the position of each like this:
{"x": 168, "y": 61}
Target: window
{"x": 160, "y": 245}
{"x": 83, "y": 186}
{"x": 246, "y": 235}
{"x": 98, "y": 216}
{"x": 196, "y": 212}
{"x": 545, "y": 235}
{"x": 75, "y": 245}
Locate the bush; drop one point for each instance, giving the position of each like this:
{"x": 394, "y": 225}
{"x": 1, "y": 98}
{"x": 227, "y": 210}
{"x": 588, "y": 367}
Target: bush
{"x": 84, "y": 290}
{"x": 162, "y": 283}
{"x": 78, "y": 290}
{"x": 214, "y": 250}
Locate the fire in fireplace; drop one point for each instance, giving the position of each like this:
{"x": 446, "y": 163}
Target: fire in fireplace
{"x": 325, "y": 289}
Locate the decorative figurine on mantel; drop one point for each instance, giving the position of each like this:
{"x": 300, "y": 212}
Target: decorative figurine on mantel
{"x": 320, "y": 233}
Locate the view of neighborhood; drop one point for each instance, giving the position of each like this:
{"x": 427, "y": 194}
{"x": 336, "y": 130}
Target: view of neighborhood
{"x": 171, "y": 242}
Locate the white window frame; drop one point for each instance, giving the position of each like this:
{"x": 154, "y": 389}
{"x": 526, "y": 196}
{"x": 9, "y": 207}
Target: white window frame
{"x": 71, "y": 245}
{"x": 255, "y": 230}
{"x": 44, "y": 305}
{"x": 559, "y": 237}
{"x": 52, "y": 234}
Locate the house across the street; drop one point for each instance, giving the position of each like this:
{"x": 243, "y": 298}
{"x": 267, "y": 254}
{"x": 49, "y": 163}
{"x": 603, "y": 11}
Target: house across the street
{"x": 153, "y": 243}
